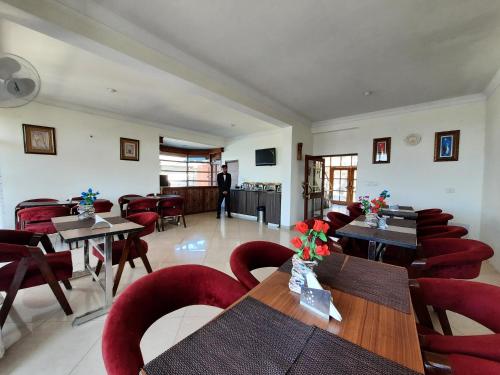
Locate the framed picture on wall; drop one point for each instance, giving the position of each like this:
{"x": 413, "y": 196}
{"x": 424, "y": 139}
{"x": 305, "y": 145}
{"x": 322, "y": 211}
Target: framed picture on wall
{"x": 39, "y": 139}
{"x": 129, "y": 149}
{"x": 382, "y": 150}
{"x": 446, "y": 145}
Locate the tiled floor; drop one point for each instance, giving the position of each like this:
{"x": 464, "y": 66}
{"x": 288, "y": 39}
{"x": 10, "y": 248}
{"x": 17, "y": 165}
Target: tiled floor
{"x": 41, "y": 340}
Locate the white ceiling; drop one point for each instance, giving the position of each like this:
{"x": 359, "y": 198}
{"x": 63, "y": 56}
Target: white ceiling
{"x": 179, "y": 143}
{"x": 79, "y": 78}
{"x": 318, "y": 57}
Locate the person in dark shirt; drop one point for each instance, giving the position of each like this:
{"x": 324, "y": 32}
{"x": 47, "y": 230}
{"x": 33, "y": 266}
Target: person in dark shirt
{"x": 224, "y": 184}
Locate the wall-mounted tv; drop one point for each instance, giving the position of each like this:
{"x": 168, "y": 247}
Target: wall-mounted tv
{"x": 266, "y": 156}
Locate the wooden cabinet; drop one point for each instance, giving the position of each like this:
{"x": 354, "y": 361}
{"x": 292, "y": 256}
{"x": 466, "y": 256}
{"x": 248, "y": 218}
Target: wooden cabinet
{"x": 252, "y": 202}
{"x": 272, "y": 202}
{"x": 246, "y": 203}
{"x": 196, "y": 199}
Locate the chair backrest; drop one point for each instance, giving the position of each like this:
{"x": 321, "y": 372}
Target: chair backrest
{"x": 257, "y": 254}
{"x": 102, "y": 205}
{"x": 45, "y": 213}
{"x": 158, "y": 294}
{"x": 38, "y": 200}
{"x": 150, "y": 195}
{"x": 436, "y": 219}
{"x": 354, "y": 210}
{"x": 441, "y": 231}
{"x": 147, "y": 220}
{"x": 144, "y": 204}
{"x": 338, "y": 219}
{"x": 123, "y": 199}
{"x": 477, "y": 301}
{"x": 429, "y": 211}
{"x": 171, "y": 206}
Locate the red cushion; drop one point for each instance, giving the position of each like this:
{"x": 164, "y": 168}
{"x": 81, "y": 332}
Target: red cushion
{"x": 467, "y": 365}
{"x": 484, "y": 346}
{"x": 43, "y": 227}
{"x": 117, "y": 250}
{"x": 60, "y": 263}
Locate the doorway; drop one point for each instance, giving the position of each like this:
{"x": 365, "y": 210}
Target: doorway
{"x": 341, "y": 179}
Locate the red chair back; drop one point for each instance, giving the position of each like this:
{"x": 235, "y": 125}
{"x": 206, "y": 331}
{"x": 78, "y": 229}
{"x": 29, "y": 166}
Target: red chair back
{"x": 102, "y": 205}
{"x": 147, "y": 220}
{"x": 437, "y": 219}
{"x": 354, "y": 210}
{"x": 338, "y": 219}
{"x": 123, "y": 199}
{"x": 158, "y": 294}
{"x": 39, "y": 214}
{"x": 38, "y": 200}
{"x": 441, "y": 231}
{"x": 257, "y": 254}
{"x": 173, "y": 206}
{"x": 429, "y": 211}
{"x": 142, "y": 205}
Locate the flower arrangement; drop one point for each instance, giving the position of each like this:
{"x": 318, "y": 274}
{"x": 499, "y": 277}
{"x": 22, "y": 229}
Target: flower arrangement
{"x": 374, "y": 205}
{"x": 309, "y": 245}
{"x": 88, "y": 197}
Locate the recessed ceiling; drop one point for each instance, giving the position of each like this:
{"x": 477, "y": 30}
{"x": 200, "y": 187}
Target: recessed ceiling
{"x": 319, "y": 57}
{"x": 179, "y": 143}
{"x": 76, "y": 77}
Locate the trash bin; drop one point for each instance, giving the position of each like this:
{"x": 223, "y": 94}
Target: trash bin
{"x": 261, "y": 214}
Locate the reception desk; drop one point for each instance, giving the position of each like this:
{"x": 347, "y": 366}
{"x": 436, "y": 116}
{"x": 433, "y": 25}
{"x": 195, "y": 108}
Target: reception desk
{"x": 197, "y": 199}
{"x": 245, "y": 202}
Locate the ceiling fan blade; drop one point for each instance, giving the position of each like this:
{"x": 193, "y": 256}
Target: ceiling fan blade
{"x": 21, "y": 87}
{"x": 8, "y": 66}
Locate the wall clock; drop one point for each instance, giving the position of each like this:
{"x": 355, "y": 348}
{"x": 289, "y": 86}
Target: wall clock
{"x": 413, "y": 139}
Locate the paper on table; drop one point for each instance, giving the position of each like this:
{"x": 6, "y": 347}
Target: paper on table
{"x": 101, "y": 223}
{"x": 313, "y": 283}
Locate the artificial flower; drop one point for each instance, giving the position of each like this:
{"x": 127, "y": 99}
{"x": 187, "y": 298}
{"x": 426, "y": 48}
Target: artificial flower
{"x": 318, "y": 225}
{"x": 301, "y": 227}
{"x": 306, "y": 253}
{"x": 322, "y": 250}
{"x": 326, "y": 227}
{"x": 297, "y": 242}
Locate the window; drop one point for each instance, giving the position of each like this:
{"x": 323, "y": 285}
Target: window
{"x": 190, "y": 168}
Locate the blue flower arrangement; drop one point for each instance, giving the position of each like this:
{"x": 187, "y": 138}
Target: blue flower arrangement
{"x": 88, "y": 197}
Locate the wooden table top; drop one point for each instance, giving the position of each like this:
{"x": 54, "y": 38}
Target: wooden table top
{"x": 399, "y": 233}
{"x": 87, "y": 233}
{"x": 42, "y": 204}
{"x": 387, "y": 332}
{"x": 406, "y": 212}
{"x": 156, "y": 197}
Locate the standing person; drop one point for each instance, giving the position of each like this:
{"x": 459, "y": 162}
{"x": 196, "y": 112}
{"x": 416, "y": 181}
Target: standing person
{"x": 224, "y": 184}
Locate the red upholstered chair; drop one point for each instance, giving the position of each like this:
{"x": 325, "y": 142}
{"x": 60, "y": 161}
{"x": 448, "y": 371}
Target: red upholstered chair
{"x": 441, "y": 231}
{"x": 122, "y": 201}
{"x": 150, "y": 195}
{"x": 429, "y": 211}
{"x": 477, "y": 301}
{"x": 354, "y": 209}
{"x": 28, "y": 266}
{"x": 150, "y": 298}
{"x": 437, "y": 219}
{"x": 102, "y": 205}
{"x": 458, "y": 364}
{"x": 257, "y": 254}
{"x": 38, "y": 219}
{"x": 450, "y": 258}
{"x": 171, "y": 207}
{"x": 30, "y": 200}
{"x": 337, "y": 221}
{"x": 131, "y": 248}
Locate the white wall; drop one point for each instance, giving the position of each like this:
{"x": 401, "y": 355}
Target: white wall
{"x": 413, "y": 177}
{"x": 490, "y": 220}
{"x": 81, "y": 160}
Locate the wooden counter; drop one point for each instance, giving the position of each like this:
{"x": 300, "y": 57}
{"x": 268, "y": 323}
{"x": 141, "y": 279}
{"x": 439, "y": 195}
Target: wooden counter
{"x": 196, "y": 198}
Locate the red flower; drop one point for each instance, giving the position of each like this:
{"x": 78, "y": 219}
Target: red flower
{"x": 322, "y": 250}
{"x": 297, "y": 242}
{"x": 318, "y": 225}
{"x": 306, "y": 254}
{"x": 301, "y": 227}
{"x": 326, "y": 227}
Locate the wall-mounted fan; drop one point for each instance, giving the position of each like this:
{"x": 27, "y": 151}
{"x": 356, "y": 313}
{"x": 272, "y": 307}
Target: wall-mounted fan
{"x": 19, "y": 81}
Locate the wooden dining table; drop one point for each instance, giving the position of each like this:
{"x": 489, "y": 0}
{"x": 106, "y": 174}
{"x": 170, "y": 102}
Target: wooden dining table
{"x": 406, "y": 212}
{"x": 72, "y": 229}
{"x": 377, "y": 328}
{"x": 399, "y": 232}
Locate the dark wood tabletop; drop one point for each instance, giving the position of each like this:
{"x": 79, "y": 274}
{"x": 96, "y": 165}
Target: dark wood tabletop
{"x": 156, "y": 197}
{"x": 43, "y": 204}
{"x": 400, "y": 232}
{"x": 406, "y": 212}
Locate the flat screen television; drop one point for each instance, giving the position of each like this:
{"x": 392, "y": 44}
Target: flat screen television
{"x": 266, "y": 156}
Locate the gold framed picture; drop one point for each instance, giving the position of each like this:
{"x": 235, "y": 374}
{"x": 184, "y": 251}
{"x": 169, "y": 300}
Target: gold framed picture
{"x": 39, "y": 139}
{"x": 446, "y": 145}
{"x": 129, "y": 149}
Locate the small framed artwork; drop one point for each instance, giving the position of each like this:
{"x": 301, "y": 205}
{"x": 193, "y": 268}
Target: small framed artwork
{"x": 129, "y": 149}
{"x": 39, "y": 139}
{"x": 446, "y": 145}
{"x": 382, "y": 150}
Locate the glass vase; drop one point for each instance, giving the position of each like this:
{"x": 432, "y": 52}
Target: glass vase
{"x": 371, "y": 219}
{"x": 300, "y": 268}
{"x": 86, "y": 211}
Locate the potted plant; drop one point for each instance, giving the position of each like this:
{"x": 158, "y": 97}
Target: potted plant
{"x": 86, "y": 206}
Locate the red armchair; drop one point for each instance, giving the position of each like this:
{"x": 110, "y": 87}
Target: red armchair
{"x": 337, "y": 221}
{"x": 441, "y": 231}
{"x": 477, "y": 301}
{"x": 38, "y": 219}
{"x": 354, "y": 210}
{"x": 18, "y": 207}
{"x": 256, "y": 254}
{"x": 122, "y": 201}
{"x": 429, "y": 211}
{"x": 454, "y": 258}
{"x": 458, "y": 364}
{"x": 102, "y": 205}
{"x": 131, "y": 248}
{"x": 171, "y": 207}
{"x": 438, "y": 219}
{"x": 27, "y": 266}
{"x": 154, "y": 296}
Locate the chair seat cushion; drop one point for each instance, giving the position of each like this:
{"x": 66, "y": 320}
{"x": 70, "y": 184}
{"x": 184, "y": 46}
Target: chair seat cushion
{"x": 117, "y": 250}
{"x": 60, "y": 263}
{"x": 45, "y": 227}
